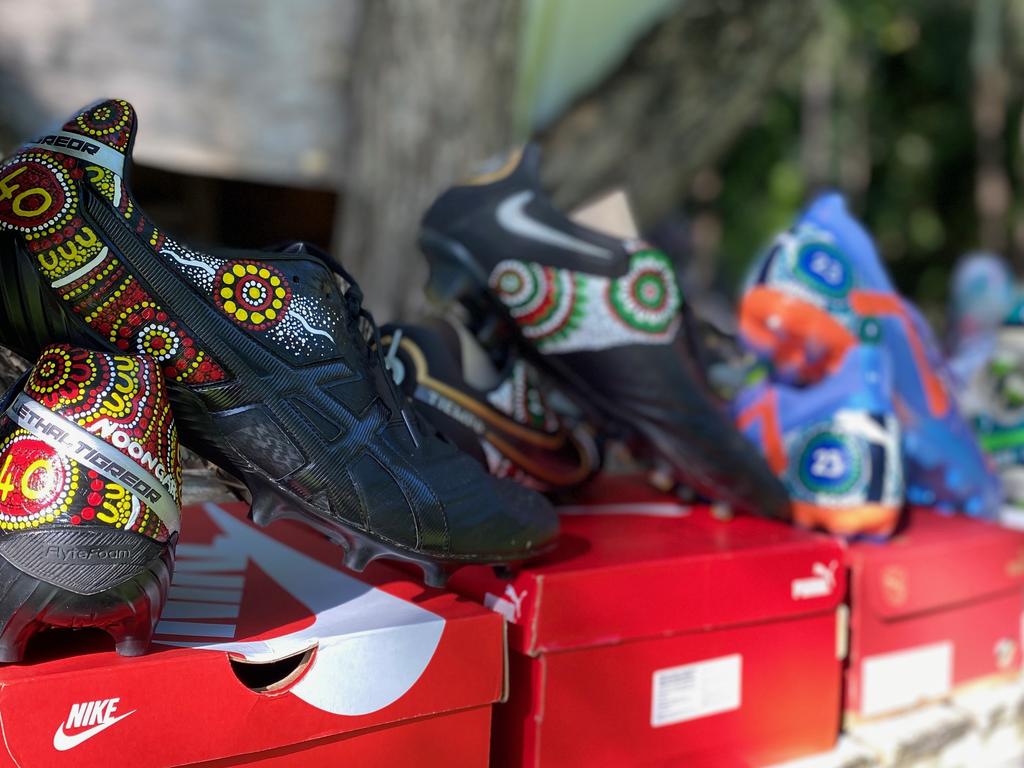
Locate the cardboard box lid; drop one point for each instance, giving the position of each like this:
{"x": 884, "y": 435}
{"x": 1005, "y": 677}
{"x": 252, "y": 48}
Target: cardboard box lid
{"x": 938, "y": 561}
{"x": 359, "y": 652}
{"x": 640, "y": 565}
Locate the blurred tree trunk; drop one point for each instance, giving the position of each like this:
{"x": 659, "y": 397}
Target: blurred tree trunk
{"x": 677, "y": 103}
{"x": 817, "y": 110}
{"x": 835, "y": 141}
{"x": 992, "y": 184}
{"x": 432, "y": 95}
{"x": 1015, "y": 59}
{"x": 854, "y": 129}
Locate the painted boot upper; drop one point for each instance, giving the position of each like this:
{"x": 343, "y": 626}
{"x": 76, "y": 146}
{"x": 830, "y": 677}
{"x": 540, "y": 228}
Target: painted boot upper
{"x": 269, "y": 358}
{"x": 90, "y": 494}
{"x": 801, "y": 311}
{"x": 499, "y": 414}
{"x": 835, "y": 444}
{"x": 603, "y": 316}
{"x": 993, "y": 398}
{"x": 982, "y": 297}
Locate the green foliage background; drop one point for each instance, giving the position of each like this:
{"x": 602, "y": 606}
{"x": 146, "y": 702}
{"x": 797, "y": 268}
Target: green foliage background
{"x": 917, "y": 107}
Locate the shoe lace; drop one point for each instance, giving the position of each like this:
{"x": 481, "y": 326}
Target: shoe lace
{"x": 360, "y": 321}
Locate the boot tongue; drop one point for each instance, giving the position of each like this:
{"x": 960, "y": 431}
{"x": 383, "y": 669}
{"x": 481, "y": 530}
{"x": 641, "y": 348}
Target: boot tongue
{"x": 102, "y": 135}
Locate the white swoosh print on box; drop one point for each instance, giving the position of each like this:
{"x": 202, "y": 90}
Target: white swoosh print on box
{"x": 62, "y": 741}
{"x": 512, "y": 216}
{"x": 372, "y": 647}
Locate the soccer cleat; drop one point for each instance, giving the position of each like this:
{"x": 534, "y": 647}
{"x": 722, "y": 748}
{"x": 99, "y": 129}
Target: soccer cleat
{"x": 994, "y": 401}
{"x": 981, "y": 299}
{"x": 835, "y": 444}
{"x": 604, "y": 317}
{"x": 267, "y": 358}
{"x": 89, "y": 499}
{"x": 500, "y": 416}
{"x": 801, "y": 311}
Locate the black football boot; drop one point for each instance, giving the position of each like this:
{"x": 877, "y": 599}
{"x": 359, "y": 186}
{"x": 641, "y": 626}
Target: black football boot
{"x": 498, "y": 413}
{"x": 90, "y": 493}
{"x": 604, "y": 316}
{"x": 266, "y": 357}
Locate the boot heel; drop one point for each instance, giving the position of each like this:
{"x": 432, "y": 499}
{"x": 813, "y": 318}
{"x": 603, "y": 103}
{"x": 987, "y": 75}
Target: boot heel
{"x": 454, "y": 277}
{"x": 127, "y": 610}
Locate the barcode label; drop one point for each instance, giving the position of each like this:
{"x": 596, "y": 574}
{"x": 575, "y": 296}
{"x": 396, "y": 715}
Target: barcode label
{"x": 696, "y": 690}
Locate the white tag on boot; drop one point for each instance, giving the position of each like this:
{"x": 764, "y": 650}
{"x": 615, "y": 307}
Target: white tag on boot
{"x": 610, "y": 213}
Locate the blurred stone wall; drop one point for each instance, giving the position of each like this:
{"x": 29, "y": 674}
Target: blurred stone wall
{"x": 389, "y": 101}
{"x": 248, "y": 89}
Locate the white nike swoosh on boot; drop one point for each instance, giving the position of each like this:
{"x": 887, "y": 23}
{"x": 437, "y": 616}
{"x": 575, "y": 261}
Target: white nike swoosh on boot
{"x": 512, "y": 216}
{"x": 62, "y": 742}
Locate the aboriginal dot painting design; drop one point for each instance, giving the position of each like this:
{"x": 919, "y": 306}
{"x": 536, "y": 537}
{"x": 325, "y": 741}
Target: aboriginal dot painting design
{"x": 851, "y": 458}
{"x": 41, "y": 194}
{"x": 555, "y": 458}
{"x": 260, "y": 297}
{"x": 255, "y": 295}
{"x": 565, "y": 311}
{"x": 805, "y": 262}
{"x": 520, "y": 397}
{"x": 111, "y": 123}
{"x": 121, "y": 400}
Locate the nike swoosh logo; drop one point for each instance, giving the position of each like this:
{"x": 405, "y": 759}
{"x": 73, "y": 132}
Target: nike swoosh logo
{"x": 553, "y": 458}
{"x": 512, "y": 216}
{"x": 344, "y": 607}
{"x": 62, "y": 742}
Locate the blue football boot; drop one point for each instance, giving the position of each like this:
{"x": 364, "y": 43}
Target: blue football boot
{"x": 801, "y": 312}
{"x": 981, "y": 299}
{"x": 994, "y": 400}
{"x": 834, "y": 444}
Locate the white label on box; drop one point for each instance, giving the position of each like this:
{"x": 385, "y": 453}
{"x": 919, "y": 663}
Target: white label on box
{"x": 696, "y": 690}
{"x": 891, "y": 681}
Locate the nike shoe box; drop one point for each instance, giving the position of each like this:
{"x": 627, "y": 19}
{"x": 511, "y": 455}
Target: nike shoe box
{"x": 935, "y": 609}
{"x": 657, "y": 634}
{"x": 268, "y": 653}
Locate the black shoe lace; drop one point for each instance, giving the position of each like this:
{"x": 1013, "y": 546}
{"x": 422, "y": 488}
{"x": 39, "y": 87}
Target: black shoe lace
{"x": 361, "y": 322}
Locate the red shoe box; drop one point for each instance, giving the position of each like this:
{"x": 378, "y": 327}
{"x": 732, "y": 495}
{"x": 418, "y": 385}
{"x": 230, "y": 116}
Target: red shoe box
{"x": 669, "y": 638}
{"x": 937, "y": 607}
{"x": 377, "y": 670}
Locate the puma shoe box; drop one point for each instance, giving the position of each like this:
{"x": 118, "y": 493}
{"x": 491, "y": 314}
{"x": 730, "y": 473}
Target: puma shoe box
{"x": 657, "y": 634}
{"x": 934, "y": 610}
{"x": 269, "y": 654}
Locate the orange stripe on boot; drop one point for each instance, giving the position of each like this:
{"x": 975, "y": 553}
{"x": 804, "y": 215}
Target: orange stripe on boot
{"x": 765, "y": 409}
{"x": 870, "y": 519}
{"x": 787, "y": 327}
{"x": 889, "y": 305}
